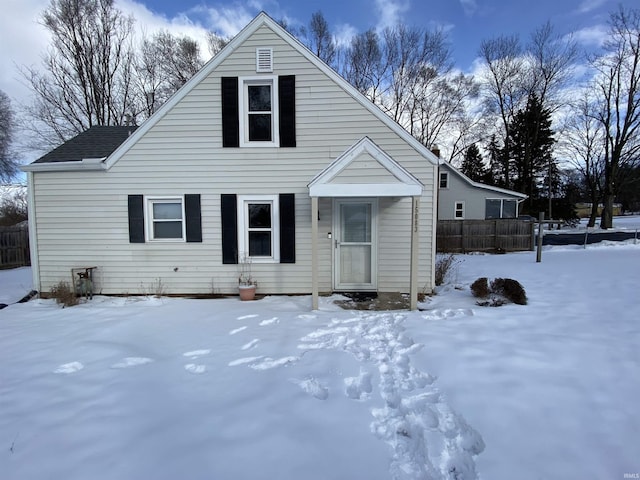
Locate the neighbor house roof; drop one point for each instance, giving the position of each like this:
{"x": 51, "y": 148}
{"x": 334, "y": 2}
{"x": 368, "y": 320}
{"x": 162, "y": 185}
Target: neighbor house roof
{"x": 96, "y": 142}
{"x": 482, "y": 186}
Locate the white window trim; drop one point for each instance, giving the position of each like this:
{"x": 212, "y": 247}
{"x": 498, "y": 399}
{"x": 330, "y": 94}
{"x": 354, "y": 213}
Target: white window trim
{"x": 243, "y": 227}
{"x": 244, "y": 82}
{"x": 149, "y": 220}
{"x": 455, "y": 210}
{"x": 446, "y": 174}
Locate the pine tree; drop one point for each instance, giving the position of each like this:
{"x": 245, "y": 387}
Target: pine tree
{"x": 530, "y": 149}
{"x": 473, "y": 165}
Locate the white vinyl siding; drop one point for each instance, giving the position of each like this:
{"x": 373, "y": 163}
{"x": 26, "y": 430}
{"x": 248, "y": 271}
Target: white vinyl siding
{"x": 82, "y": 216}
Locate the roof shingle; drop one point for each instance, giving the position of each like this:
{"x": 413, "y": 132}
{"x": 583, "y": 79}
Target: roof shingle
{"x": 96, "y": 142}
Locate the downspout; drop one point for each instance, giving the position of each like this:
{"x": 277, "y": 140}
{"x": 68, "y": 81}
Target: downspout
{"x": 33, "y": 232}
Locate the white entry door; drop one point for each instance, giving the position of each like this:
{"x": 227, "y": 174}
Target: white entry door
{"x": 355, "y": 245}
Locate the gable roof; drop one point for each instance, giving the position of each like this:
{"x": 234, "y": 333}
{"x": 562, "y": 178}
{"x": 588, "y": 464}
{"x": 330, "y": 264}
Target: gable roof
{"x": 474, "y": 184}
{"x": 398, "y": 181}
{"x": 262, "y": 19}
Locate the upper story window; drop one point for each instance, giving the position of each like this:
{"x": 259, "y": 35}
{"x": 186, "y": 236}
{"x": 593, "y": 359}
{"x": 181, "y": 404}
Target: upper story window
{"x": 444, "y": 179}
{"x": 258, "y": 107}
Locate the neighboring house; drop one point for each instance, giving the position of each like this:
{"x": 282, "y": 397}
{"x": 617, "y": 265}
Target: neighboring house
{"x": 265, "y": 153}
{"x": 460, "y": 198}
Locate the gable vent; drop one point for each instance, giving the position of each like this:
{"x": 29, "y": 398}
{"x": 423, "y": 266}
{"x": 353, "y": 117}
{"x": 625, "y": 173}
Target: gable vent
{"x": 264, "y": 60}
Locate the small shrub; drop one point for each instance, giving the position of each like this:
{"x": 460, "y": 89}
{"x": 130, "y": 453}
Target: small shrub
{"x": 63, "y": 294}
{"x": 510, "y": 289}
{"x": 443, "y": 266}
{"x": 480, "y": 288}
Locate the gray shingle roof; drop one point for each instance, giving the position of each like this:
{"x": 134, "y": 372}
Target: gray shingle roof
{"x": 96, "y": 142}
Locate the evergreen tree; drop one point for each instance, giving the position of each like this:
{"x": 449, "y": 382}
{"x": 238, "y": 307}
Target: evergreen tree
{"x": 473, "y": 165}
{"x": 499, "y": 164}
{"x": 530, "y": 149}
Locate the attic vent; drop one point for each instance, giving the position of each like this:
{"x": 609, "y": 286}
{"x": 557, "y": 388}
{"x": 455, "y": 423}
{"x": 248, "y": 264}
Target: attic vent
{"x": 264, "y": 60}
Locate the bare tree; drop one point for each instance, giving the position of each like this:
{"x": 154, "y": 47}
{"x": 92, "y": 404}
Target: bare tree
{"x": 215, "y": 43}
{"x": 164, "y": 63}
{"x": 504, "y": 87}
{"x": 364, "y": 65}
{"x": 582, "y": 141}
{"x": 320, "y": 39}
{"x": 86, "y": 76}
{"x": 8, "y": 163}
{"x": 617, "y": 83}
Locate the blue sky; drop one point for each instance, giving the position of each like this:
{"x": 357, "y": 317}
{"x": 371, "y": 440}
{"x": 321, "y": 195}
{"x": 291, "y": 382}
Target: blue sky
{"x": 467, "y": 22}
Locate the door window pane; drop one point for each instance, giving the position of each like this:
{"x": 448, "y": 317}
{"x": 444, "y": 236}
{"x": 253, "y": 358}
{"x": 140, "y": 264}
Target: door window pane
{"x": 356, "y": 222}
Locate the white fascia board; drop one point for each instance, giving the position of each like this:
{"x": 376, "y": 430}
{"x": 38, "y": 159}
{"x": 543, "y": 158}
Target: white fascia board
{"x": 95, "y": 164}
{"x": 365, "y": 190}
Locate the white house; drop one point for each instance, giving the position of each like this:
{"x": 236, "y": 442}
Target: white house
{"x": 265, "y": 153}
{"x": 460, "y": 198}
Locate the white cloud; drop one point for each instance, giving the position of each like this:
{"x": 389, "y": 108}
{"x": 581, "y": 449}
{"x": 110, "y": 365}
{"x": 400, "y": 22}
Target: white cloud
{"x": 390, "y": 12}
{"x": 588, "y": 5}
{"x": 591, "y": 36}
{"x": 469, "y": 7}
{"x": 344, "y": 33}
{"x": 22, "y": 41}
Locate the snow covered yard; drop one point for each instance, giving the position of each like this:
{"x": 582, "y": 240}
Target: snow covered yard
{"x": 130, "y": 388}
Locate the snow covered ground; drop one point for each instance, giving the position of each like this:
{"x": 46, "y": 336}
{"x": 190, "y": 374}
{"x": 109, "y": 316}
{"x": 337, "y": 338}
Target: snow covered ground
{"x": 133, "y": 388}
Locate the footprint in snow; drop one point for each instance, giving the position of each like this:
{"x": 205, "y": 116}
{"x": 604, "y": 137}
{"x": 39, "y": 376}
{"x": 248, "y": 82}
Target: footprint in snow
{"x": 251, "y": 344}
{"x": 262, "y": 363}
{"x": 269, "y": 363}
{"x": 197, "y": 353}
{"x": 358, "y": 388}
{"x": 271, "y": 321}
{"x": 307, "y": 316}
{"x": 244, "y": 317}
{"x": 447, "y": 313}
{"x": 131, "y": 362}
{"x": 237, "y": 330}
{"x": 196, "y": 369}
{"x": 313, "y": 387}
{"x": 71, "y": 367}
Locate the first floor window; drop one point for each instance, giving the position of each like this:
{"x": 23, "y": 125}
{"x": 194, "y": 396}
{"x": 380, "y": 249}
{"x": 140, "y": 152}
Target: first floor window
{"x": 459, "y": 210}
{"x": 501, "y": 208}
{"x": 166, "y": 218}
{"x": 258, "y": 227}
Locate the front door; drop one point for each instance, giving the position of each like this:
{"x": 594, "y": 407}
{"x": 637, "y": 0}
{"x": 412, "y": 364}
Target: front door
{"x": 355, "y": 245}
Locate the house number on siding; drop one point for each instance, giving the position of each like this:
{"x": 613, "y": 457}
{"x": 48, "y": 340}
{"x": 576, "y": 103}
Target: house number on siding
{"x": 415, "y": 217}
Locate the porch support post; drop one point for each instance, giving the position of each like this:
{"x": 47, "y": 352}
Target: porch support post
{"x": 415, "y": 242}
{"x": 314, "y": 253}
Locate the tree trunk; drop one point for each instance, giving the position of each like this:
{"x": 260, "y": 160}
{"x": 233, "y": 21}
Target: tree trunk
{"x": 594, "y": 211}
{"x": 606, "y": 219}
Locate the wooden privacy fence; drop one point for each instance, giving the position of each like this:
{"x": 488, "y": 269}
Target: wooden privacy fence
{"x": 461, "y": 236}
{"x": 14, "y": 247}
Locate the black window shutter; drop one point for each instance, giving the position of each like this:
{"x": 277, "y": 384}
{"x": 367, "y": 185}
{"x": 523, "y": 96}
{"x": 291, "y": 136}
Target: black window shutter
{"x": 287, "y": 228}
{"x": 194, "y": 221}
{"x": 230, "y": 115}
{"x": 287, "y": 110}
{"x": 136, "y": 218}
{"x": 229, "y": 214}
